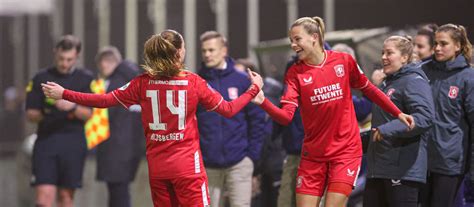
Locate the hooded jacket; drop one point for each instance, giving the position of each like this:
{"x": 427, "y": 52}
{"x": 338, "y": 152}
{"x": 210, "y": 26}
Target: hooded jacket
{"x": 402, "y": 154}
{"x": 225, "y": 142}
{"x": 452, "y": 84}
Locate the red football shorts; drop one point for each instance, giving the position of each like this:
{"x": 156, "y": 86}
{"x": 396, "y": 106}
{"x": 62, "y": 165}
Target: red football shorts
{"x": 189, "y": 191}
{"x": 314, "y": 176}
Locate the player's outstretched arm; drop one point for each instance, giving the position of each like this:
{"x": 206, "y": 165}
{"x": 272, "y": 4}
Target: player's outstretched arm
{"x": 56, "y": 91}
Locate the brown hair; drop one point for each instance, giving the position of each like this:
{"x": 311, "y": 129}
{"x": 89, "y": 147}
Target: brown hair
{"x": 161, "y": 54}
{"x": 428, "y": 31}
{"x": 69, "y": 42}
{"x": 213, "y": 35}
{"x": 312, "y": 25}
{"x": 404, "y": 44}
{"x": 459, "y": 35}
{"x": 108, "y": 52}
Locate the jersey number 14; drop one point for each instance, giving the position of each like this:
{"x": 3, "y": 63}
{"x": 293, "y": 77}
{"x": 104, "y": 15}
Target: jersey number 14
{"x": 179, "y": 110}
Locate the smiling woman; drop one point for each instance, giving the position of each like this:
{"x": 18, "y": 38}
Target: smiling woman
{"x": 397, "y": 158}
{"x": 320, "y": 84}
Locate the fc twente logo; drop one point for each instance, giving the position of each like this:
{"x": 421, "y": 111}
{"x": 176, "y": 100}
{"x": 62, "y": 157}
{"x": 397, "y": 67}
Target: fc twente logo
{"x": 339, "y": 69}
{"x": 390, "y": 92}
{"x": 453, "y": 92}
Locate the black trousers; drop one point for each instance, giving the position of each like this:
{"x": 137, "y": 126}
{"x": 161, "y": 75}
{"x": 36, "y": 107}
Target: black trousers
{"x": 440, "y": 190}
{"x": 391, "y": 193}
{"x": 119, "y": 194}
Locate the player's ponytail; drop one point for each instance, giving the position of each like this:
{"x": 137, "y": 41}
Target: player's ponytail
{"x": 161, "y": 55}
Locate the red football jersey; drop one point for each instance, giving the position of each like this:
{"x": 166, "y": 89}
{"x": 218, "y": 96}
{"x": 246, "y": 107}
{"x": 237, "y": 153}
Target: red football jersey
{"x": 169, "y": 120}
{"x": 323, "y": 93}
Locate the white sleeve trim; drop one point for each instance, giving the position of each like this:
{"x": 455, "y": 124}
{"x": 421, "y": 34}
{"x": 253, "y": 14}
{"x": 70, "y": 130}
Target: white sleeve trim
{"x": 215, "y": 107}
{"x": 290, "y": 102}
{"x": 119, "y": 100}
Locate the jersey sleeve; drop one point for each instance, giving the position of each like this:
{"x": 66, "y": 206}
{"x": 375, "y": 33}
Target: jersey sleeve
{"x": 289, "y": 100}
{"x": 358, "y": 80}
{"x": 129, "y": 94}
{"x": 291, "y": 91}
{"x": 213, "y": 101}
{"x": 209, "y": 98}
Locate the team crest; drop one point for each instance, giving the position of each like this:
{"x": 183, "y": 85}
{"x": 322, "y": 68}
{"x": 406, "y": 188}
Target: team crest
{"x": 453, "y": 92}
{"x": 390, "y": 92}
{"x": 299, "y": 181}
{"x": 233, "y": 93}
{"x": 339, "y": 69}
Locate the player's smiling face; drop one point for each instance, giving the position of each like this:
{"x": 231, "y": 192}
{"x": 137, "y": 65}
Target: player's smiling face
{"x": 302, "y": 42}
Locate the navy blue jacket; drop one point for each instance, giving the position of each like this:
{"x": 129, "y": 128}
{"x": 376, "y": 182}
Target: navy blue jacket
{"x": 452, "y": 84}
{"x": 402, "y": 154}
{"x": 225, "y": 142}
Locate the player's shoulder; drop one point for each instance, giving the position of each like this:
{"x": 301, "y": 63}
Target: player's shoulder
{"x": 335, "y": 55}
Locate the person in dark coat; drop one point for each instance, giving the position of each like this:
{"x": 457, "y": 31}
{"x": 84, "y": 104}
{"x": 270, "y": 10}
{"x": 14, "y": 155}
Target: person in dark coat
{"x": 119, "y": 156}
{"x": 452, "y": 84}
{"x": 397, "y": 158}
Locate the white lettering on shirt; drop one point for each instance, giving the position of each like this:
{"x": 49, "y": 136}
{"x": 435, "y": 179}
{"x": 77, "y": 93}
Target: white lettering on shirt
{"x": 326, "y": 93}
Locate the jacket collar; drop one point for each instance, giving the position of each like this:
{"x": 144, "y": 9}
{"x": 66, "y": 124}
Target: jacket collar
{"x": 459, "y": 62}
{"x": 212, "y": 73}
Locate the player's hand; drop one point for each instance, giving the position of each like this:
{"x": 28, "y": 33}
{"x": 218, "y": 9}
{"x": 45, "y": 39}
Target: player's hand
{"x": 376, "y": 135}
{"x": 407, "y": 120}
{"x": 259, "y": 98}
{"x": 255, "y": 78}
{"x": 52, "y": 90}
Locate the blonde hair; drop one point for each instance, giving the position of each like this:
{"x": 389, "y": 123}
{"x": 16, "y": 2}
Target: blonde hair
{"x": 161, "y": 55}
{"x": 458, "y": 34}
{"x": 404, "y": 44}
{"x": 312, "y": 25}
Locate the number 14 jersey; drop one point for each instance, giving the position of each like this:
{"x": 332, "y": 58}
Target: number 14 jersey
{"x": 169, "y": 120}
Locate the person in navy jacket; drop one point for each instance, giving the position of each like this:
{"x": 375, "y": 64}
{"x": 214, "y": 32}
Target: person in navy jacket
{"x": 452, "y": 84}
{"x": 397, "y": 158}
{"x": 230, "y": 147}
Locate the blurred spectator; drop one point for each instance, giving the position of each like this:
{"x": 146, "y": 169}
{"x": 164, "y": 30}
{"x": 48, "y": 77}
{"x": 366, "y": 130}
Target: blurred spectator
{"x": 424, "y": 43}
{"x": 60, "y": 150}
{"x": 11, "y": 120}
{"x": 119, "y": 155}
{"x": 377, "y": 77}
{"x": 341, "y": 47}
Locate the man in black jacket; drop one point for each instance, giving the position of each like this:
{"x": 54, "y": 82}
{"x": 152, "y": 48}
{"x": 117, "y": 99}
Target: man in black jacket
{"x": 118, "y": 157}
